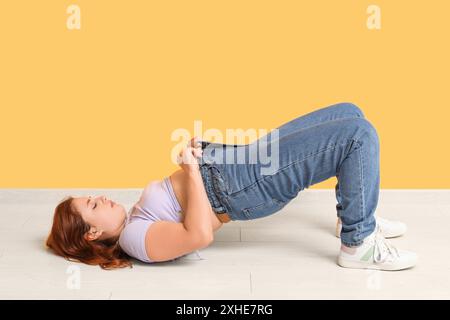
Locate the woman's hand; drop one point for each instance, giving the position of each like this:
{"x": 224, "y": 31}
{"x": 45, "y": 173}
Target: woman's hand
{"x": 187, "y": 159}
{"x": 194, "y": 142}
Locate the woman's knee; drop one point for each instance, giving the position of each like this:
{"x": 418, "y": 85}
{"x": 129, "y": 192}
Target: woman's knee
{"x": 367, "y": 131}
{"x": 350, "y": 108}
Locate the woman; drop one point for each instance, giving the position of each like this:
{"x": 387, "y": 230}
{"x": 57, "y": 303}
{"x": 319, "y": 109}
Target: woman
{"x": 179, "y": 214}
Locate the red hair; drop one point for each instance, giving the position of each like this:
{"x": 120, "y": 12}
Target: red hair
{"x": 67, "y": 239}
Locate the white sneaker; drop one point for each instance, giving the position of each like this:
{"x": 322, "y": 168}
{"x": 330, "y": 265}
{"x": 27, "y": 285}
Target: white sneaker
{"x": 377, "y": 253}
{"x": 389, "y": 228}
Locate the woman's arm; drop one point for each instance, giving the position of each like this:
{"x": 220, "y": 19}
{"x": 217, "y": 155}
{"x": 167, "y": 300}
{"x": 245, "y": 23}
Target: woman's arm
{"x": 196, "y": 143}
{"x": 197, "y": 218}
{"x": 198, "y": 213}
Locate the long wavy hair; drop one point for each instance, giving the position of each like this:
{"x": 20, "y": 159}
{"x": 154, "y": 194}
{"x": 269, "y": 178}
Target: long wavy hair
{"x": 67, "y": 239}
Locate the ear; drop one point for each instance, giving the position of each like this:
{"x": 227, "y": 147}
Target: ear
{"x": 92, "y": 234}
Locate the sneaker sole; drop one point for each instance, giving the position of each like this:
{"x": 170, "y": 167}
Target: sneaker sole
{"x": 368, "y": 265}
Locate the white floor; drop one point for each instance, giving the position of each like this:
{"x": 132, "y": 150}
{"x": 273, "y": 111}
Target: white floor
{"x": 289, "y": 255}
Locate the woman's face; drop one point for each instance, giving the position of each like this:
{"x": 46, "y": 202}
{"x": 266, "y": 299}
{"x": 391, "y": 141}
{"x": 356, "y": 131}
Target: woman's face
{"x": 105, "y": 217}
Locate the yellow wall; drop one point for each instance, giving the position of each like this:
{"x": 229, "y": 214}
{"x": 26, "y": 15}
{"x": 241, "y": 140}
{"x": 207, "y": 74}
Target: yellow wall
{"x": 95, "y": 107}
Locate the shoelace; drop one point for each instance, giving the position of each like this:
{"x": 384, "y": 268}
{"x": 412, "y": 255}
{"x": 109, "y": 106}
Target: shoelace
{"x": 383, "y": 250}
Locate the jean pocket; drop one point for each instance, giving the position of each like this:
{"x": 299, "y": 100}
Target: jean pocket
{"x": 264, "y": 209}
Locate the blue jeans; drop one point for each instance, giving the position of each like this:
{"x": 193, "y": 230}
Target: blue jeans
{"x": 333, "y": 141}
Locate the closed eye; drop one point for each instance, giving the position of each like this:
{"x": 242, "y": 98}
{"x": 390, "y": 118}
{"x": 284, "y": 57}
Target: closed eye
{"x": 94, "y": 206}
